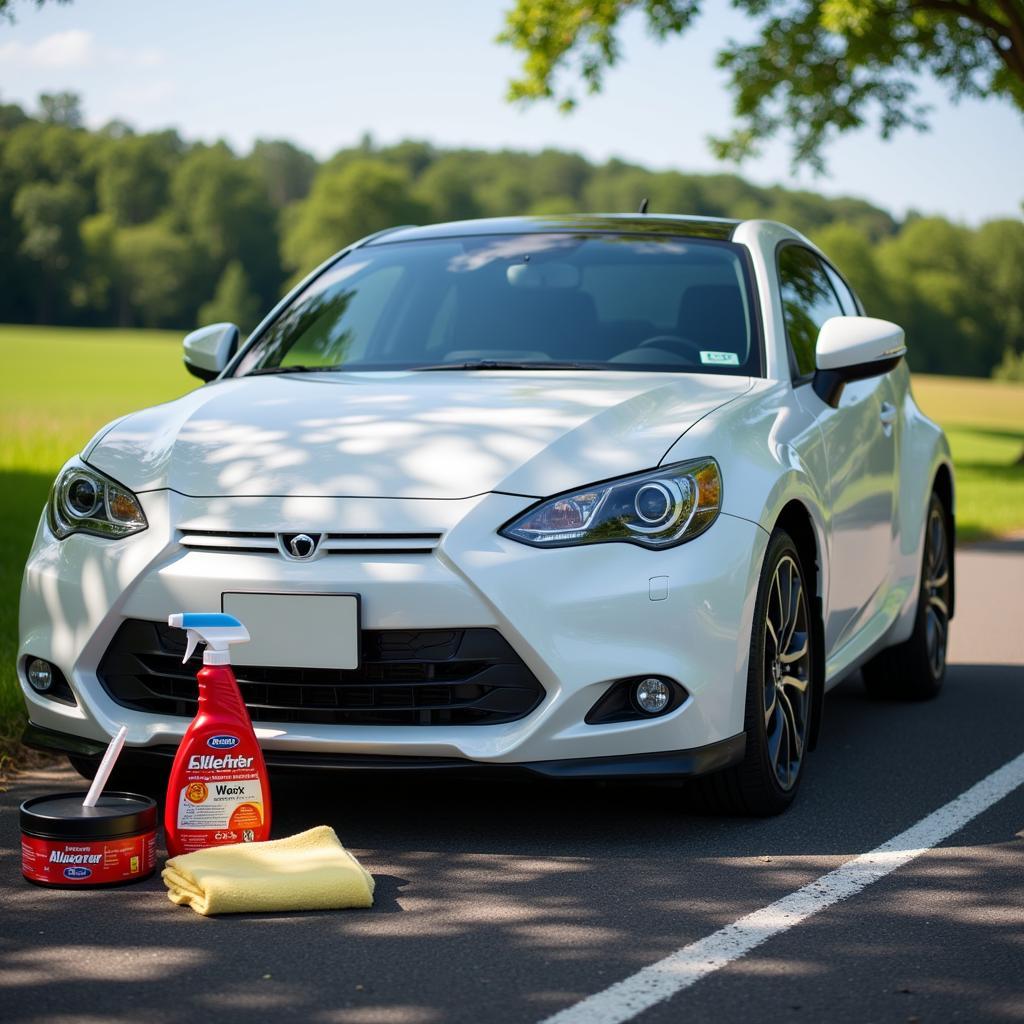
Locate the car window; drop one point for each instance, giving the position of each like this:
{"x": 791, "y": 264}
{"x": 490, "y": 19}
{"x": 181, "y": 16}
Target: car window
{"x": 340, "y": 323}
{"x": 603, "y": 301}
{"x": 843, "y": 290}
{"x": 807, "y": 302}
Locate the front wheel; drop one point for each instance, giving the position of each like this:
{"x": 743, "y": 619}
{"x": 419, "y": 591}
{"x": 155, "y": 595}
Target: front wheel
{"x": 85, "y": 766}
{"x": 914, "y": 670}
{"x": 779, "y": 692}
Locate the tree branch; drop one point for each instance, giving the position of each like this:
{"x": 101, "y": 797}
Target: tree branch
{"x": 1014, "y": 11}
{"x": 995, "y": 30}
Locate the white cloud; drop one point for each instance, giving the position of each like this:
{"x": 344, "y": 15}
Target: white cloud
{"x": 75, "y": 49}
{"x": 72, "y": 49}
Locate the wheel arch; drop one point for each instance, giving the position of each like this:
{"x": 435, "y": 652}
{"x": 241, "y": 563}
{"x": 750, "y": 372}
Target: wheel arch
{"x": 796, "y": 519}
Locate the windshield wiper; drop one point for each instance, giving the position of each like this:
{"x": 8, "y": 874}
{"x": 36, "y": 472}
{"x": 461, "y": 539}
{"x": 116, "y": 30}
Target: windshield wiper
{"x": 469, "y": 364}
{"x": 502, "y": 364}
{"x": 298, "y": 368}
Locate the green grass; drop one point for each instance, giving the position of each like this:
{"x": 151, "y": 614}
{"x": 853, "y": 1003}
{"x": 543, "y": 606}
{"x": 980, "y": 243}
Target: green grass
{"x": 984, "y": 421}
{"x": 60, "y": 385}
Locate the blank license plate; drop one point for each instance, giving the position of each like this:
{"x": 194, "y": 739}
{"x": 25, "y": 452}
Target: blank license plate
{"x": 297, "y": 630}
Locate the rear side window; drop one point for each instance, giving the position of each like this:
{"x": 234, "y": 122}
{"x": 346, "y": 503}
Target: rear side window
{"x": 808, "y": 300}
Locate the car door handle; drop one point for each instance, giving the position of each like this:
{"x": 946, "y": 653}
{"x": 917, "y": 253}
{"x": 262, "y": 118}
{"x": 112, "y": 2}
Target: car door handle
{"x": 887, "y": 414}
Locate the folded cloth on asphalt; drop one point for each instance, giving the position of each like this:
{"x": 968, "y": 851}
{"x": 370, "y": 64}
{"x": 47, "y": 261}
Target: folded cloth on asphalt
{"x": 308, "y": 871}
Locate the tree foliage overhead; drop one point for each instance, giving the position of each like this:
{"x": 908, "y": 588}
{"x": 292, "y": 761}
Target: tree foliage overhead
{"x": 7, "y": 7}
{"x": 815, "y": 68}
{"x": 113, "y": 227}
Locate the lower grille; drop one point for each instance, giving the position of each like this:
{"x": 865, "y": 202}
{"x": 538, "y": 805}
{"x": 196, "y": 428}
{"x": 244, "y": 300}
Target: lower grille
{"x": 407, "y": 677}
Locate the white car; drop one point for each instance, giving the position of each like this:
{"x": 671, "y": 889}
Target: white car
{"x": 586, "y": 496}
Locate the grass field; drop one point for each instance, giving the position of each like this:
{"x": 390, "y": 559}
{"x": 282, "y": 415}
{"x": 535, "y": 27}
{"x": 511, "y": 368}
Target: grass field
{"x": 984, "y": 421}
{"x": 60, "y": 385}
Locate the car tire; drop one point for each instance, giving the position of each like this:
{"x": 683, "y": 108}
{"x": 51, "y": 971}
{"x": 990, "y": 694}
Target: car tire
{"x": 126, "y": 777}
{"x": 780, "y": 693}
{"x": 916, "y": 668}
{"x": 85, "y": 766}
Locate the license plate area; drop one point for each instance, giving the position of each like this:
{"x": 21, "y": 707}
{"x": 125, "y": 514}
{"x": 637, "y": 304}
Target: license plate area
{"x": 296, "y": 630}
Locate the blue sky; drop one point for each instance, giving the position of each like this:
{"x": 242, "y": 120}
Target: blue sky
{"x": 323, "y": 73}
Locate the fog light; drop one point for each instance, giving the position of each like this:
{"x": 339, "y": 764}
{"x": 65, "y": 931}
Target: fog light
{"x": 652, "y": 695}
{"x": 40, "y": 675}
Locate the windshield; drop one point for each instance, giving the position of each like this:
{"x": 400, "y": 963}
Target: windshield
{"x": 533, "y": 301}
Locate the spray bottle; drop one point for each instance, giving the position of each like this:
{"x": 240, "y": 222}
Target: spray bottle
{"x": 218, "y": 792}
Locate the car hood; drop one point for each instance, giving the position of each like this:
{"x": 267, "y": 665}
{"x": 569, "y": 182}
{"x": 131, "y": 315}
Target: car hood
{"x": 448, "y": 434}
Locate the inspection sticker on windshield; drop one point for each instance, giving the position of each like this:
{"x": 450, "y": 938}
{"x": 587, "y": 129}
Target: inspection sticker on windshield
{"x": 720, "y": 358}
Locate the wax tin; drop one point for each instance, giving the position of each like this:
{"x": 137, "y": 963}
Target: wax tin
{"x": 65, "y": 845}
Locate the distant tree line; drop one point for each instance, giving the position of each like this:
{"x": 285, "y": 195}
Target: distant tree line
{"x": 113, "y": 227}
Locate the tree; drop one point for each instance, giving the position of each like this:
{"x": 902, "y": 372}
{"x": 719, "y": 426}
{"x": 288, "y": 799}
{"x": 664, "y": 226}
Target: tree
{"x": 816, "y": 68}
{"x": 221, "y": 203}
{"x": 48, "y": 215}
{"x": 101, "y": 276}
{"x": 287, "y": 171}
{"x": 156, "y": 272}
{"x": 938, "y": 296}
{"x": 63, "y": 108}
{"x": 132, "y": 179}
{"x": 997, "y": 249}
{"x": 1011, "y": 368}
{"x": 35, "y": 151}
{"x": 233, "y": 302}
{"x": 446, "y": 187}
{"x": 363, "y": 196}
{"x": 11, "y": 115}
{"x": 7, "y": 8}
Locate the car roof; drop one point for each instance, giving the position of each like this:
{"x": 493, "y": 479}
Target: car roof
{"x": 719, "y": 228}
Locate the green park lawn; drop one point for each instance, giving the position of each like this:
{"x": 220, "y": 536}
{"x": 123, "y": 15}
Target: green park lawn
{"x": 59, "y": 385}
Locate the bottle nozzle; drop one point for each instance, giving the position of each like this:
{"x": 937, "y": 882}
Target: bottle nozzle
{"x": 214, "y": 629}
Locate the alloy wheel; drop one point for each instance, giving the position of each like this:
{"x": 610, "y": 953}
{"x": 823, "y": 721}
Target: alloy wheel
{"x": 936, "y": 590}
{"x": 787, "y": 672}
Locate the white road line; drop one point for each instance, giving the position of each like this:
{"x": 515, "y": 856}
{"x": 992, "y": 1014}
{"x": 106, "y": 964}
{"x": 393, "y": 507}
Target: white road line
{"x": 679, "y": 970}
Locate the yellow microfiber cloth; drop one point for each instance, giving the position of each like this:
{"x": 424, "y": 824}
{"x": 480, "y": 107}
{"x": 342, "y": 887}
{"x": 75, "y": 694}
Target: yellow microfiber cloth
{"x": 308, "y": 871}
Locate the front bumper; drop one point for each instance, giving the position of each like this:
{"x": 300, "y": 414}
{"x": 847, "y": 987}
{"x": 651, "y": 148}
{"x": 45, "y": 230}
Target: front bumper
{"x": 669, "y": 764}
{"x": 579, "y": 618}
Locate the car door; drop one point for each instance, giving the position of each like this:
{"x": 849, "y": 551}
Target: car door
{"x": 860, "y": 448}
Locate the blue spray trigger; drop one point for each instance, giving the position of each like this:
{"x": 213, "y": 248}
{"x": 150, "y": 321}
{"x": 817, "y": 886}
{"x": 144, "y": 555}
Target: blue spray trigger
{"x": 197, "y": 620}
{"x": 216, "y": 630}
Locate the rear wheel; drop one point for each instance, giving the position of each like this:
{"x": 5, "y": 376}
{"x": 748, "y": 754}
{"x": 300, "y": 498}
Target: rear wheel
{"x": 779, "y": 692}
{"x": 915, "y": 669}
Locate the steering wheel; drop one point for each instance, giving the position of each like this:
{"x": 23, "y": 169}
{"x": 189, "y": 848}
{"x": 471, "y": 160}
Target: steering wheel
{"x": 672, "y": 343}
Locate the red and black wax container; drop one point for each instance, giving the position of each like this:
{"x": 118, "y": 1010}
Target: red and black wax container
{"x": 67, "y": 846}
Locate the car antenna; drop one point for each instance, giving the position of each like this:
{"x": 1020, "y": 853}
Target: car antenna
{"x": 643, "y": 205}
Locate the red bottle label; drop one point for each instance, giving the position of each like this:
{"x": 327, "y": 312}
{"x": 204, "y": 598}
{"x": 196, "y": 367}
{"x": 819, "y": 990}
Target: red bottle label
{"x": 88, "y": 862}
{"x": 218, "y": 791}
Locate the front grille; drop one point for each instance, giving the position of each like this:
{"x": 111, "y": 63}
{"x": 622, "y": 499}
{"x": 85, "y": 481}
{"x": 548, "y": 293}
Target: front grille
{"x": 407, "y": 677}
{"x": 263, "y": 543}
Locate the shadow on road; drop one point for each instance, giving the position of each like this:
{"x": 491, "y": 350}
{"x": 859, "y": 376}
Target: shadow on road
{"x": 505, "y": 901}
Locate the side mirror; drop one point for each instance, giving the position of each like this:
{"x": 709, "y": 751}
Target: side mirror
{"x": 209, "y": 350}
{"x": 854, "y": 348}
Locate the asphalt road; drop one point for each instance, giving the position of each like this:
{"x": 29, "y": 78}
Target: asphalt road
{"x": 511, "y": 902}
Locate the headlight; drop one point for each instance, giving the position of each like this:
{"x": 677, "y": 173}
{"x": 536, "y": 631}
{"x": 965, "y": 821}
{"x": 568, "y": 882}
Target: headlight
{"x": 666, "y": 506}
{"x": 85, "y": 501}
